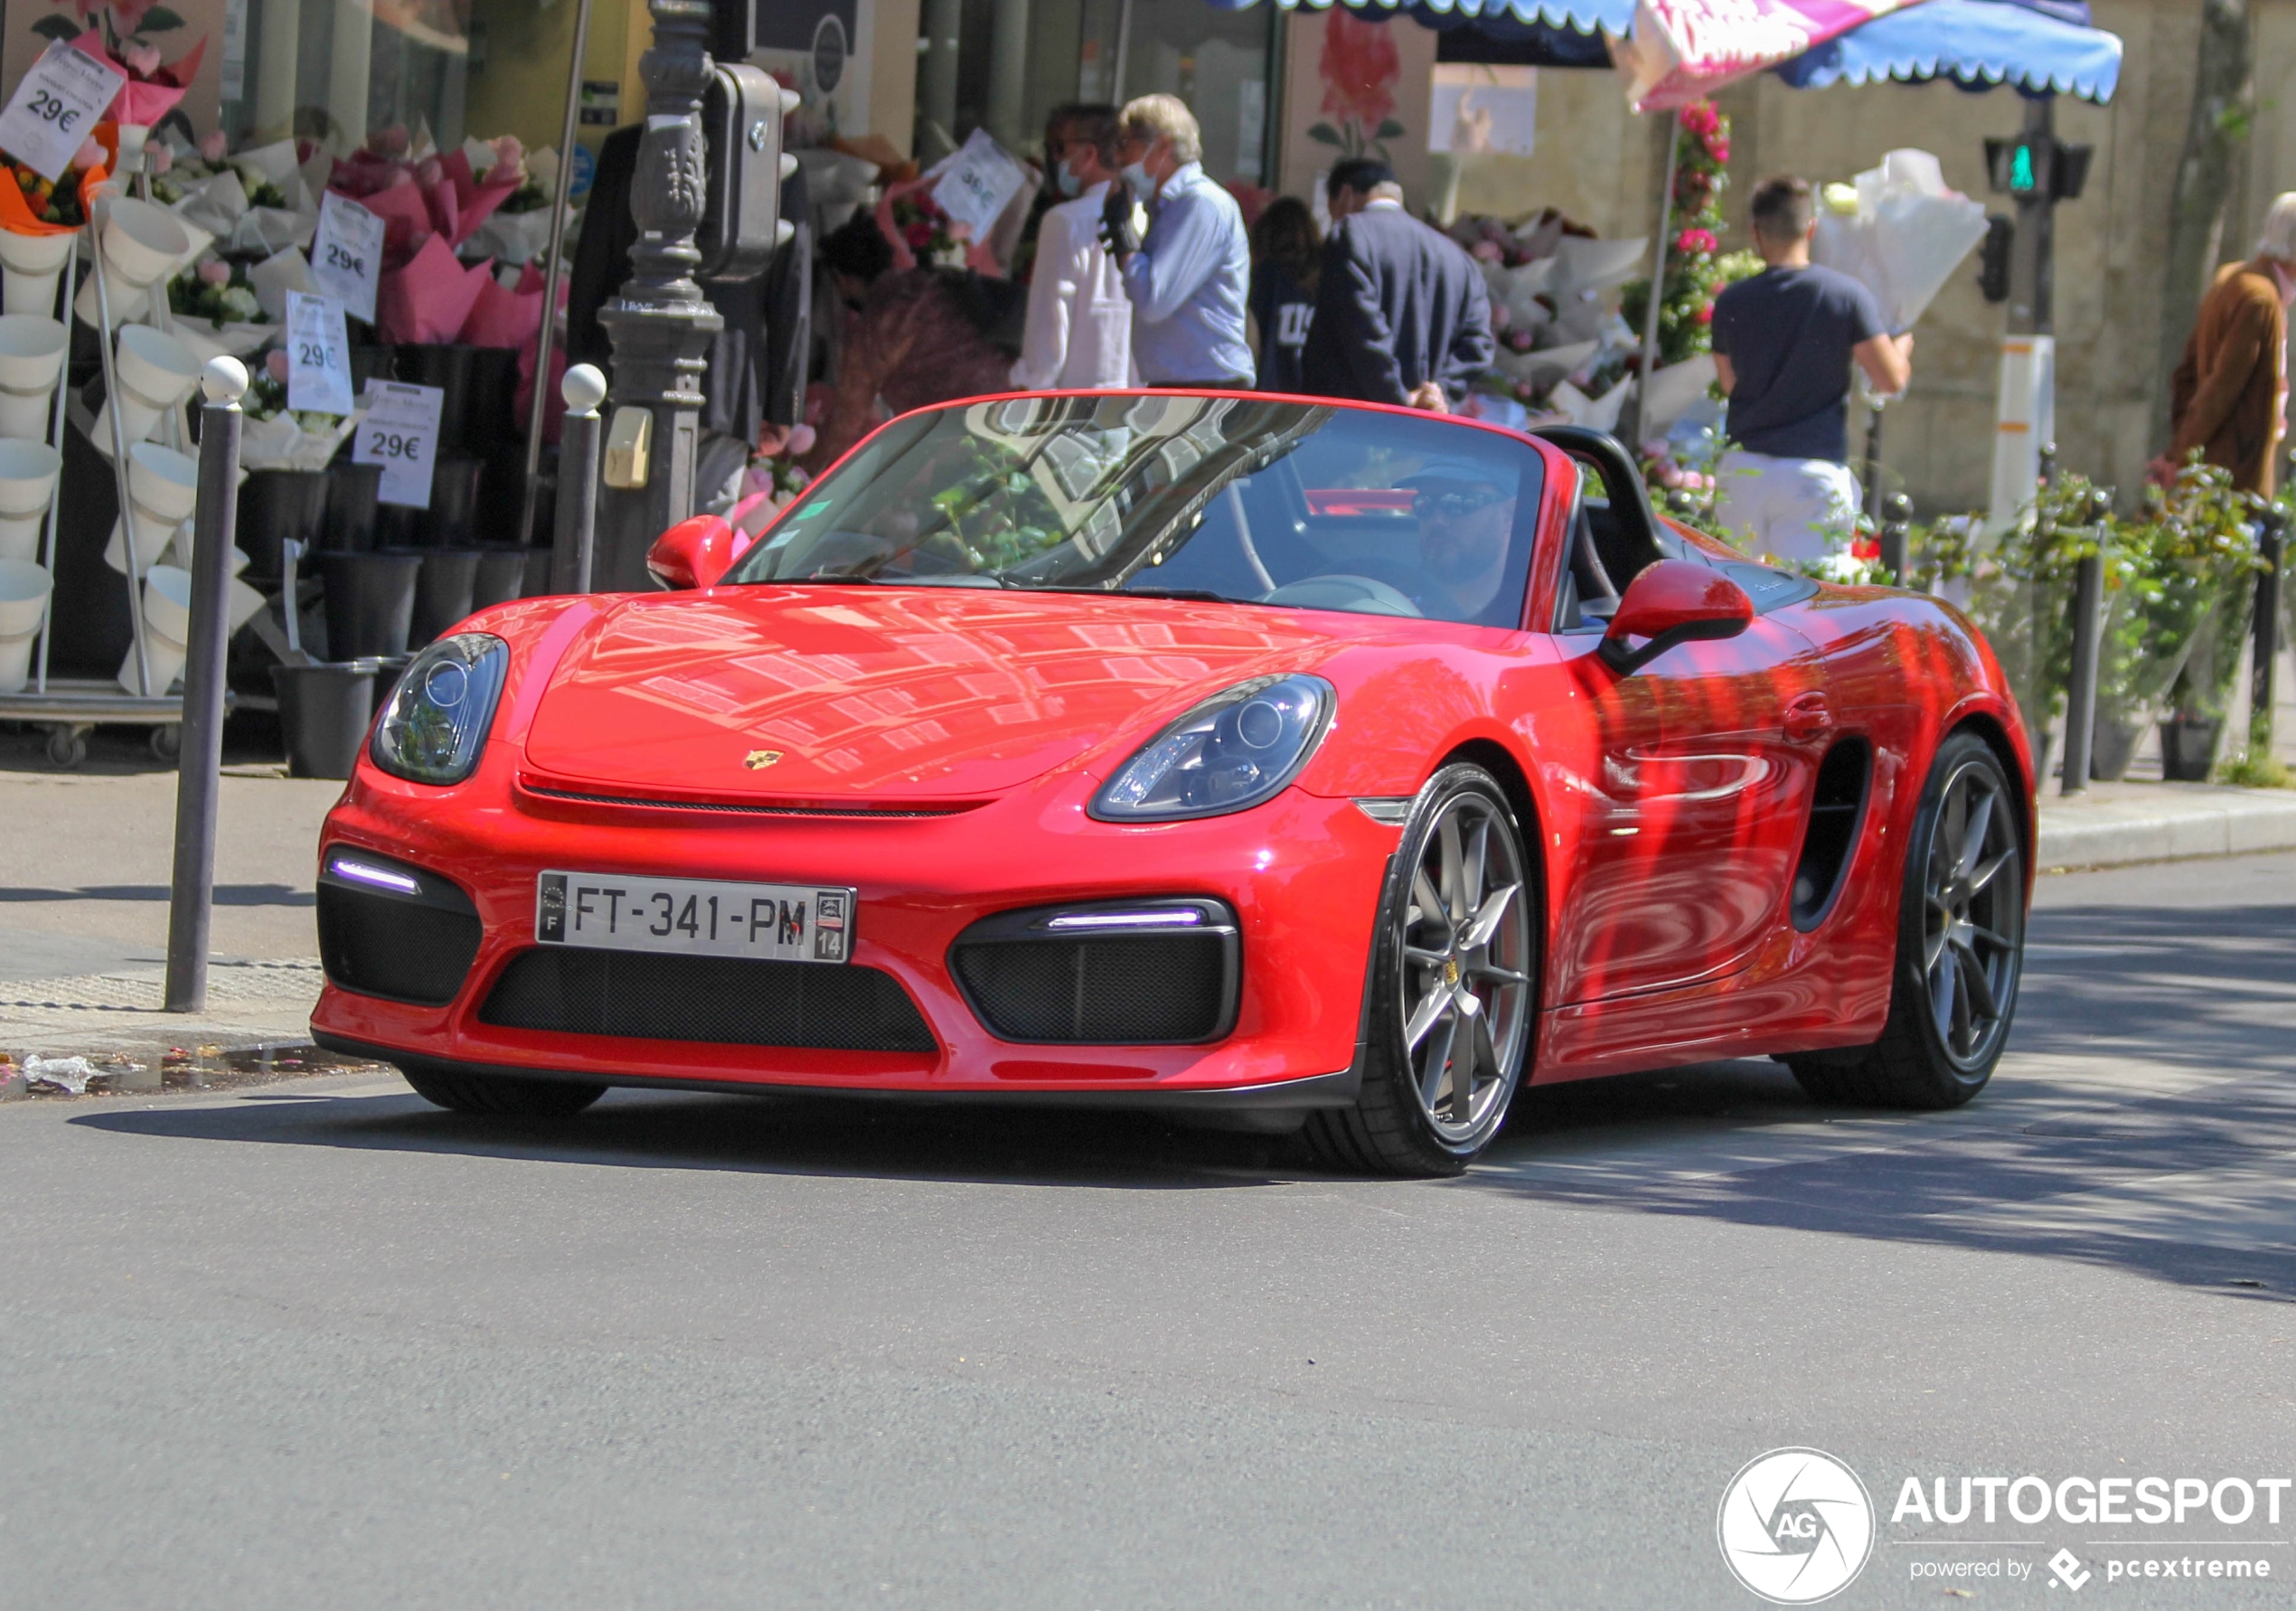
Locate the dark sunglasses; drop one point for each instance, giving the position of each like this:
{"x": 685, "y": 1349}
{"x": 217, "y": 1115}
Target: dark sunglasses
{"x": 1456, "y": 505}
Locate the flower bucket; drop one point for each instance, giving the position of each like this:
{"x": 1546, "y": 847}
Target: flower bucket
{"x": 162, "y": 486}
{"x": 141, "y": 242}
{"x": 324, "y": 711}
{"x": 502, "y": 577}
{"x": 277, "y": 506}
{"x": 28, "y": 472}
{"x": 156, "y": 374}
{"x": 33, "y": 263}
{"x": 32, "y": 359}
{"x": 351, "y": 506}
{"x": 452, "y": 519}
{"x": 167, "y": 629}
{"x": 369, "y": 601}
{"x": 23, "y": 603}
{"x": 442, "y": 592}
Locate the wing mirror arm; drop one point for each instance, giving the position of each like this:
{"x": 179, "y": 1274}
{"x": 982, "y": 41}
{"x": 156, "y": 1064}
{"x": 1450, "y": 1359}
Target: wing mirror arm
{"x": 1626, "y": 660}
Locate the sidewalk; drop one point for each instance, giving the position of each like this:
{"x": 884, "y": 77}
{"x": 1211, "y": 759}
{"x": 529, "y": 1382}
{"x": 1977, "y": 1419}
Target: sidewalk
{"x": 84, "y": 868}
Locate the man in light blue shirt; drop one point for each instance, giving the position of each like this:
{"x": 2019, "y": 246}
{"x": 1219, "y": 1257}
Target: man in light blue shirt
{"x": 1189, "y": 276}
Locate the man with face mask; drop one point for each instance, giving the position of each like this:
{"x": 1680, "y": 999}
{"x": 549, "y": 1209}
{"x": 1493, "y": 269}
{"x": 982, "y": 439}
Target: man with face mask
{"x": 1466, "y": 514}
{"x": 1189, "y": 274}
{"x": 1079, "y": 330}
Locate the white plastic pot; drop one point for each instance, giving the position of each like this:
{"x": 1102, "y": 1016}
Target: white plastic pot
{"x": 23, "y": 603}
{"x": 27, "y": 476}
{"x": 162, "y": 486}
{"x": 32, "y": 357}
{"x": 155, "y": 373}
{"x": 141, "y": 242}
{"x": 33, "y": 263}
{"x": 167, "y": 628}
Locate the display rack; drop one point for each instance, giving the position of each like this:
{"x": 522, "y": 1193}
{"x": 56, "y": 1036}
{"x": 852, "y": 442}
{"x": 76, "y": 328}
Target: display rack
{"x": 68, "y": 708}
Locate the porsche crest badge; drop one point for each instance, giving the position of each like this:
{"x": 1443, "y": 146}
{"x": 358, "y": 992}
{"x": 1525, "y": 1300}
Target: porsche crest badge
{"x": 758, "y": 759}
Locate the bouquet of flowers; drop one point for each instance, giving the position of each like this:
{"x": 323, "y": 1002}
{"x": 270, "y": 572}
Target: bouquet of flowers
{"x": 58, "y": 203}
{"x": 929, "y": 234}
{"x": 216, "y": 291}
{"x": 275, "y": 437}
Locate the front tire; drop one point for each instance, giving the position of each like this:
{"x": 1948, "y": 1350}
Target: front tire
{"x": 1452, "y": 988}
{"x": 500, "y": 1095}
{"x": 1960, "y": 948}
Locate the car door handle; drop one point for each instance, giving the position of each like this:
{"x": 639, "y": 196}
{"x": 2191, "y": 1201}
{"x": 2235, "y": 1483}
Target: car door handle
{"x": 1809, "y": 718}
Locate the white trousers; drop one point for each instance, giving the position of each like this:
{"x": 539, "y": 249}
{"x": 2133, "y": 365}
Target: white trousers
{"x": 1785, "y": 508}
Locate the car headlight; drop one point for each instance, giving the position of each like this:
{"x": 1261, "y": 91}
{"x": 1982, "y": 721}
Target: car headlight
{"x": 435, "y": 723}
{"x": 1230, "y": 753}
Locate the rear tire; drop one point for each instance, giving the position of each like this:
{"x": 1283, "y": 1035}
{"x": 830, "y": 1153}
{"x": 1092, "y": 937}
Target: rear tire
{"x": 1453, "y": 989}
{"x": 1960, "y": 948}
{"x": 502, "y": 1096}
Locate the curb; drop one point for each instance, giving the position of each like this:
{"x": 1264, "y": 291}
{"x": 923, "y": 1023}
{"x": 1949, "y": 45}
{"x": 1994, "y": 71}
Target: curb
{"x": 2119, "y": 833}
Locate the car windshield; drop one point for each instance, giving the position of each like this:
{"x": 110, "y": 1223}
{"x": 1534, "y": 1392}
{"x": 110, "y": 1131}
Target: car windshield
{"x": 1168, "y": 494}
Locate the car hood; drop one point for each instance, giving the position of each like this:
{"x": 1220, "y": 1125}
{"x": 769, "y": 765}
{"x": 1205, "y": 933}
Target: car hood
{"x": 849, "y": 695}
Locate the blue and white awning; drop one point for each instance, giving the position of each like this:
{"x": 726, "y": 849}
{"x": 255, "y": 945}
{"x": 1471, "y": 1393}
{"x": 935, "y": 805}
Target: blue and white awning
{"x": 1976, "y": 44}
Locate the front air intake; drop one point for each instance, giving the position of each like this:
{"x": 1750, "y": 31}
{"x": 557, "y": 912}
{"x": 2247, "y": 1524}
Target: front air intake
{"x": 392, "y": 930}
{"x": 1104, "y": 973}
{"x": 724, "y": 1000}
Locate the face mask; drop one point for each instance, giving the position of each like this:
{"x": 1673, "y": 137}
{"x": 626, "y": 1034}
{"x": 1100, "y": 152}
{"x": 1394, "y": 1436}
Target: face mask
{"x": 1143, "y": 186}
{"x": 1066, "y": 181}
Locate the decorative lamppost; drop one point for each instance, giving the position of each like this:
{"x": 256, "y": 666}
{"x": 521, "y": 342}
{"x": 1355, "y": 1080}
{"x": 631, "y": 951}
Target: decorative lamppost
{"x": 661, "y": 325}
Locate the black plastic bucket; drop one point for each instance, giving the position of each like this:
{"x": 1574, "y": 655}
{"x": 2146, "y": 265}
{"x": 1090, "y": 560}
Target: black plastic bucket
{"x": 350, "y": 522}
{"x": 442, "y": 592}
{"x": 502, "y": 577}
{"x": 325, "y": 710}
{"x": 448, "y": 365}
{"x": 452, "y": 519}
{"x": 277, "y": 506}
{"x": 493, "y": 412}
{"x": 388, "y": 669}
{"x": 371, "y": 602}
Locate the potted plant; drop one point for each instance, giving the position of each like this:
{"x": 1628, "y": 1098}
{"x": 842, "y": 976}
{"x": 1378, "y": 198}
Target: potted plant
{"x": 2207, "y": 558}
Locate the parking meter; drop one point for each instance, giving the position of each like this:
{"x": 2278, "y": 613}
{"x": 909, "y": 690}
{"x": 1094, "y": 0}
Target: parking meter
{"x": 741, "y": 222}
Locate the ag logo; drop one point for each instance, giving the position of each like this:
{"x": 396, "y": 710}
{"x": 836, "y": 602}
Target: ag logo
{"x": 1795, "y": 1526}
{"x": 758, "y": 759}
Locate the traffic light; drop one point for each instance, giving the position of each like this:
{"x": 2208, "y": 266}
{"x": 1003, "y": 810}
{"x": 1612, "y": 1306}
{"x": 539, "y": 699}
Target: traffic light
{"x": 2032, "y": 165}
{"x": 1993, "y": 257}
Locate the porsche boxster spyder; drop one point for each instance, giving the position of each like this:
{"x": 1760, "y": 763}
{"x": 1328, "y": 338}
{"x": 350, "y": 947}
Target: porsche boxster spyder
{"x": 1312, "y": 764}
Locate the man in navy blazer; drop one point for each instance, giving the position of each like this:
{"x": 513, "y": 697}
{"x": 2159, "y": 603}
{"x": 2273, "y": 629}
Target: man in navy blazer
{"x": 1401, "y": 312}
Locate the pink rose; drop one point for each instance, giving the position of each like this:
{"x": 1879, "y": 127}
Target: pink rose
{"x": 213, "y": 145}
{"x": 801, "y": 439}
{"x": 89, "y": 154}
{"x": 510, "y": 154}
{"x": 214, "y": 271}
{"x": 275, "y": 362}
{"x": 142, "y": 60}
{"x": 428, "y": 172}
{"x": 1490, "y": 251}
{"x": 163, "y": 159}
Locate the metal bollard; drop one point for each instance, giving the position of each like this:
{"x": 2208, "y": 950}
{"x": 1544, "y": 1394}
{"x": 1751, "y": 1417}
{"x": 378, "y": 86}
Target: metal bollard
{"x": 2088, "y": 627}
{"x": 2272, "y": 546}
{"x": 199, "y": 768}
{"x": 578, "y": 445}
{"x": 1897, "y": 519}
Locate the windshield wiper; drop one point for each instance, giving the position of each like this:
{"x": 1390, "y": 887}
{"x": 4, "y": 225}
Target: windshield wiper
{"x": 1191, "y": 595}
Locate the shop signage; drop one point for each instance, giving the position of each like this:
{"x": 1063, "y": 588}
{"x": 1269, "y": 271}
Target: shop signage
{"x": 318, "y": 355}
{"x": 346, "y": 255}
{"x": 400, "y": 433}
{"x": 56, "y": 108}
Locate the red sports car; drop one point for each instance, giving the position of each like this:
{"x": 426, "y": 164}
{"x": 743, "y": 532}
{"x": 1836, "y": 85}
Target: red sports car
{"x": 1305, "y": 763}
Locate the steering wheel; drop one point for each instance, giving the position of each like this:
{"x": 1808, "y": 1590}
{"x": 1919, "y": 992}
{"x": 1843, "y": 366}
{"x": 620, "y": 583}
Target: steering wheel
{"x": 1362, "y": 595}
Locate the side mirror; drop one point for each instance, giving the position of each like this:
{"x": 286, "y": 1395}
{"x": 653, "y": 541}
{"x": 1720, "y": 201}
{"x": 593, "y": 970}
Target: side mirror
{"x": 695, "y": 553}
{"x": 1674, "y": 601}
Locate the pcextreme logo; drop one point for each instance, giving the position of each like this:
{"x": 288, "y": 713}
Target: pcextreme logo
{"x": 1796, "y": 1526}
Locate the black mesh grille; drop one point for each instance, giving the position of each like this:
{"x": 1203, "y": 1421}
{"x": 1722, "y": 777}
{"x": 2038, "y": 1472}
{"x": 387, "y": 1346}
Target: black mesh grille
{"x": 401, "y": 950}
{"x": 720, "y": 999}
{"x": 1121, "y": 991}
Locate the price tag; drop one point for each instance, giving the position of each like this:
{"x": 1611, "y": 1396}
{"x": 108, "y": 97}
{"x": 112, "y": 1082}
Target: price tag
{"x": 346, "y": 254}
{"x": 55, "y": 107}
{"x": 977, "y": 184}
{"x": 318, "y": 355}
{"x": 400, "y": 433}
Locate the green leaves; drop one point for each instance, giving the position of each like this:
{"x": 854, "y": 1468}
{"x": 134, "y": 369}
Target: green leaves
{"x": 1324, "y": 133}
{"x": 159, "y": 20}
{"x": 61, "y": 29}
{"x": 1389, "y": 128}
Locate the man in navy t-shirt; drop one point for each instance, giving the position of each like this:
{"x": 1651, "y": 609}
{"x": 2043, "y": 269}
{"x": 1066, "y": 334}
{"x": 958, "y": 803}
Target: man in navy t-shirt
{"x": 1783, "y": 341}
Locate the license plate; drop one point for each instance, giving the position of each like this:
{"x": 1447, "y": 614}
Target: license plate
{"x": 694, "y": 917}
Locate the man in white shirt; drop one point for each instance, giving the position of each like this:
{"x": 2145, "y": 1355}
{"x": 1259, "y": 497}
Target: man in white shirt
{"x": 1079, "y": 329}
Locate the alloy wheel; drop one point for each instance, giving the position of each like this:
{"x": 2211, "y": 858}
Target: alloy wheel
{"x": 1975, "y": 896}
{"x": 1466, "y": 967}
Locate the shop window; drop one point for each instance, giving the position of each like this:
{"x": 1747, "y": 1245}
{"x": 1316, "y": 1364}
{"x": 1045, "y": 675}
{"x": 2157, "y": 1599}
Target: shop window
{"x": 335, "y": 70}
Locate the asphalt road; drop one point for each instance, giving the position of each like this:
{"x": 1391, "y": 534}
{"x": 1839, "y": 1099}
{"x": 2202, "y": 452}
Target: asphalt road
{"x": 318, "y": 1345}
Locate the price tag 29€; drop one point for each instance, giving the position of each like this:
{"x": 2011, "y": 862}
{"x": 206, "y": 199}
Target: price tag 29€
{"x": 346, "y": 254}
{"x": 318, "y": 355}
{"x": 400, "y": 433}
{"x": 56, "y": 108}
